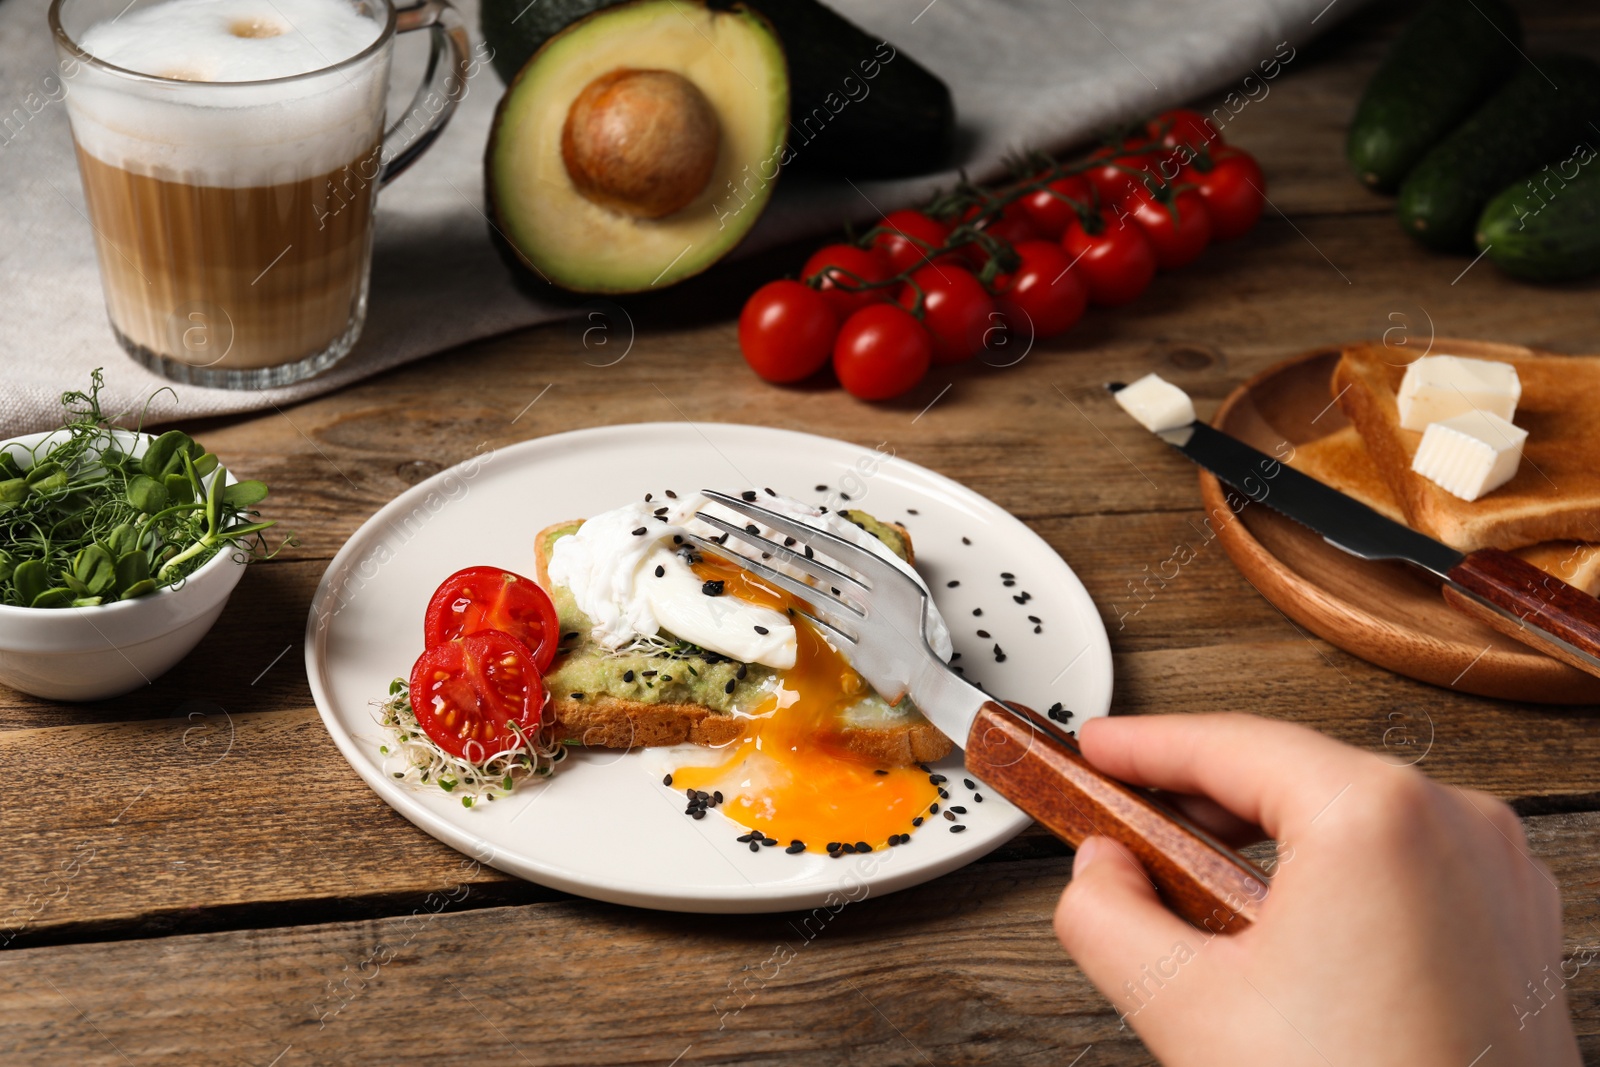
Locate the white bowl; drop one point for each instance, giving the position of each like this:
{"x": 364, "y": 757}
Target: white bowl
{"x": 105, "y": 651}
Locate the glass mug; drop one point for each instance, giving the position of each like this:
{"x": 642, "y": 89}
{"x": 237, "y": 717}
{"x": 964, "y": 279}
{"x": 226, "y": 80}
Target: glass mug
{"x": 233, "y": 220}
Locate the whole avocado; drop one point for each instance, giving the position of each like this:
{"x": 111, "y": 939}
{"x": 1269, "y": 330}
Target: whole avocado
{"x": 857, "y": 105}
{"x": 1541, "y": 114}
{"x": 1446, "y": 61}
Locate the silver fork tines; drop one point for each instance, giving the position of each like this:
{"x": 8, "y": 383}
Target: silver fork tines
{"x": 830, "y": 613}
{"x": 864, "y": 562}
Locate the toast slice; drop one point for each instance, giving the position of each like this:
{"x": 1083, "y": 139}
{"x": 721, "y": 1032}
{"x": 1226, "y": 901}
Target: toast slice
{"x": 680, "y": 694}
{"x": 1341, "y": 460}
{"x": 1555, "y": 495}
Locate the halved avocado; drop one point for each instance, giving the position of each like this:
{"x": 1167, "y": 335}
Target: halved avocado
{"x": 640, "y": 144}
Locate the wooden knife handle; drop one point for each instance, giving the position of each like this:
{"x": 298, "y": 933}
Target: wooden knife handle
{"x": 1521, "y": 601}
{"x": 1030, "y": 761}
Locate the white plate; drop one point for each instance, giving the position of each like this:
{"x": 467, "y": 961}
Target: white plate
{"x": 605, "y": 826}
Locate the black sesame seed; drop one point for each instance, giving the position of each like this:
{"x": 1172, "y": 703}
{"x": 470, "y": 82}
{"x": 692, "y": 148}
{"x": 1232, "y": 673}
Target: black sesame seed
{"x": 647, "y": 674}
{"x": 1034, "y": 618}
{"x": 795, "y": 848}
{"x": 745, "y": 839}
{"x": 822, "y": 510}
{"x": 847, "y": 847}
{"x": 879, "y": 770}
{"x": 944, "y": 794}
{"x": 924, "y": 768}
{"x": 954, "y": 656}
{"x": 976, "y": 612}
{"x": 647, "y": 497}
{"x": 660, "y": 571}
{"x": 698, "y": 813}
{"x": 1007, "y": 574}
{"x": 1038, "y": 629}
{"x": 822, "y": 489}
{"x": 862, "y": 846}
{"x": 671, "y": 495}
{"x": 833, "y": 846}
{"x": 808, "y": 552}
{"x": 661, "y": 511}
{"x": 716, "y": 798}
{"x": 917, "y": 821}
{"x": 933, "y": 809}
{"x": 969, "y": 783}
{"x": 712, "y": 588}
{"x": 729, "y": 687}
{"x": 952, "y": 583}
{"x": 741, "y": 672}
{"x": 958, "y": 809}
{"x": 959, "y": 669}
{"x": 701, "y": 795}
{"x": 937, "y": 779}
{"x": 569, "y": 636}
{"x": 978, "y": 797}
{"x": 1008, "y": 583}
{"x": 983, "y": 633}
{"x": 949, "y": 816}
{"x": 958, "y": 827}
{"x": 677, "y": 539}
{"x": 721, "y": 540}
{"x": 667, "y": 780}
{"x": 577, "y": 696}
{"x": 787, "y": 541}
{"x": 769, "y": 492}
{"x": 755, "y": 846}
{"x": 912, "y": 511}
{"x": 966, "y": 540}
{"x": 751, "y": 527}
{"x": 749, "y": 494}
{"x": 666, "y": 677}
{"x": 762, "y": 630}
{"x": 769, "y": 841}
{"x": 639, "y": 532}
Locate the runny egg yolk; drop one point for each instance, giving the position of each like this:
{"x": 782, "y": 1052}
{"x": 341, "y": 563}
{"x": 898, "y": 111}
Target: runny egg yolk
{"x": 790, "y": 775}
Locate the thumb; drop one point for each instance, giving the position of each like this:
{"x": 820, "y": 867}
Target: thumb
{"x": 1114, "y": 925}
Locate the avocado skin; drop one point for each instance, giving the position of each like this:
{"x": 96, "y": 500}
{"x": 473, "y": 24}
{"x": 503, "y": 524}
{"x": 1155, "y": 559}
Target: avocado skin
{"x": 1529, "y": 122}
{"x": 1554, "y": 237}
{"x": 1446, "y": 61}
{"x": 898, "y": 123}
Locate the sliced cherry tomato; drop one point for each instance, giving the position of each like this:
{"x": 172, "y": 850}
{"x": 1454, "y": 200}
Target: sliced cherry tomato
{"x": 882, "y": 351}
{"x": 1233, "y": 187}
{"x": 467, "y": 693}
{"x": 1114, "y": 259}
{"x": 1176, "y": 221}
{"x": 907, "y": 238}
{"x": 1183, "y": 126}
{"x": 1044, "y": 288}
{"x": 956, "y": 310}
{"x": 488, "y": 598}
{"x": 1051, "y": 209}
{"x": 840, "y": 266}
{"x": 786, "y": 331}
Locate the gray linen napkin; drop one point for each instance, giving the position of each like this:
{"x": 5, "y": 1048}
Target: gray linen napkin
{"x": 1024, "y": 73}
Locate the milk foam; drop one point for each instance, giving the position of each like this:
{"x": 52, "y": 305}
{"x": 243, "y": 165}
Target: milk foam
{"x": 210, "y": 130}
{"x": 232, "y": 40}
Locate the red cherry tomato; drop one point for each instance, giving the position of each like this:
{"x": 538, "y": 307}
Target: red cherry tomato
{"x": 882, "y": 351}
{"x": 1011, "y": 227}
{"x": 786, "y": 331}
{"x": 1179, "y": 226}
{"x": 1117, "y": 172}
{"x": 488, "y": 598}
{"x": 955, "y": 310}
{"x": 1044, "y": 288}
{"x": 466, "y": 694}
{"x": 838, "y": 285}
{"x": 1115, "y": 261}
{"x": 1183, "y": 126}
{"x": 907, "y": 239}
{"x": 1048, "y": 208}
{"x": 1233, "y": 187}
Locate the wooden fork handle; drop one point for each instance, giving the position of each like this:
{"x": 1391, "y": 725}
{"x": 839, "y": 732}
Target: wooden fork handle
{"x": 1029, "y": 761}
{"x": 1521, "y": 601}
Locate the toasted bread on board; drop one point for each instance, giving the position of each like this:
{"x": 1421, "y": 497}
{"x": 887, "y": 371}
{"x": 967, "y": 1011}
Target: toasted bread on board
{"x": 624, "y": 719}
{"x": 1341, "y": 460}
{"x": 1555, "y": 495}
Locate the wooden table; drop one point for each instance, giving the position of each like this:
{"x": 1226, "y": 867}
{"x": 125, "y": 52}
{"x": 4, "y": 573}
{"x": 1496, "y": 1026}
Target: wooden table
{"x": 193, "y": 873}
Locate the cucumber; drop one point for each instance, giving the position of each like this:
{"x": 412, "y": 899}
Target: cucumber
{"x": 1546, "y": 227}
{"x": 1541, "y": 114}
{"x": 1446, "y": 62}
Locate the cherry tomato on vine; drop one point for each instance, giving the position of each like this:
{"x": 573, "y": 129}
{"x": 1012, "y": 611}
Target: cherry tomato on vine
{"x": 837, "y": 263}
{"x": 488, "y": 598}
{"x": 466, "y": 694}
{"x": 908, "y": 238}
{"x": 955, "y": 310}
{"x": 1117, "y": 172}
{"x": 1114, "y": 257}
{"x": 1048, "y": 208}
{"x": 882, "y": 351}
{"x": 1233, "y": 187}
{"x": 1011, "y": 226}
{"x": 1183, "y": 126}
{"x": 1044, "y": 288}
{"x": 1175, "y": 220}
{"x": 786, "y": 331}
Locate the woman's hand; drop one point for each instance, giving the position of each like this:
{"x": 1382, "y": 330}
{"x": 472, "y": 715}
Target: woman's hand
{"x": 1407, "y": 923}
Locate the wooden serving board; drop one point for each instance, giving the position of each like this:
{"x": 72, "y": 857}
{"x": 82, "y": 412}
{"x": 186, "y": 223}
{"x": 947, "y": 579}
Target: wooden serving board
{"x": 1387, "y": 613}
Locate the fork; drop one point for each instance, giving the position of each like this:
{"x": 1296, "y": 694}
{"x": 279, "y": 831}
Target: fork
{"x": 877, "y": 616}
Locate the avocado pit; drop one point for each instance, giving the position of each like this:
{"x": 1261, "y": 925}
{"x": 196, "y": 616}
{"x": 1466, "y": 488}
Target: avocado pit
{"x": 640, "y": 142}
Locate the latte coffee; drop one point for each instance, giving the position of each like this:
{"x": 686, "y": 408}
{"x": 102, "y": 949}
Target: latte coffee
{"x": 230, "y": 155}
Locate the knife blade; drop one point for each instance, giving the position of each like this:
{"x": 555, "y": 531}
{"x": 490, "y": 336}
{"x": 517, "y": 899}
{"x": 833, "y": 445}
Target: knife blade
{"x": 1499, "y": 589}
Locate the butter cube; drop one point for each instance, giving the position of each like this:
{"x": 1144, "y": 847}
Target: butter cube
{"x": 1156, "y": 403}
{"x": 1471, "y": 454}
{"x": 1437, "y": 388}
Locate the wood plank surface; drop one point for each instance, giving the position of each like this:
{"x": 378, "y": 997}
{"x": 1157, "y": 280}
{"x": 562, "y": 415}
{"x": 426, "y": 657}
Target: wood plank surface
{"x": 193, "y": 874}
